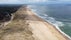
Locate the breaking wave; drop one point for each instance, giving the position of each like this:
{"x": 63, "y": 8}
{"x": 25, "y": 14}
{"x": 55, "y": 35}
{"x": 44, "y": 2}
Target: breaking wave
{"x": 46, "y": 17}
{"x": 52, "y": 21}
{"x": 49, "y": 19}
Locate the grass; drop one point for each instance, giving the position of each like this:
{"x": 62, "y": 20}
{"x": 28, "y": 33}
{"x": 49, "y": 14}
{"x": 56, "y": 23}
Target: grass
{"x": 16, "y": 30}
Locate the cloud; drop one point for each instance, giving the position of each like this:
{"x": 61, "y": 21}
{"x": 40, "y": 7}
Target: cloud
{"x": 21, "y": 1}
{"x": 34, "y": 0}
{"x": 64, "y": 0}
{"x": 9, "y": 1}
{"x": 28, "y": 1}
{"x": 37, "y": 0}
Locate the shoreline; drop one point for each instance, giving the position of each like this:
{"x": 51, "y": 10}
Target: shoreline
{"x": 56, "y": 27}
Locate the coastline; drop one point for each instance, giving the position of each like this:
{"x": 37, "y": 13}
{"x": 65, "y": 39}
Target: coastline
{"x": 26, "y": 25}
{"x": 56, "y": 27}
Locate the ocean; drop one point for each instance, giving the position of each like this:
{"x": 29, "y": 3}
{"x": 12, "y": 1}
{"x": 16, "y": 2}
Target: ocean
{"x": 57, "y": 14}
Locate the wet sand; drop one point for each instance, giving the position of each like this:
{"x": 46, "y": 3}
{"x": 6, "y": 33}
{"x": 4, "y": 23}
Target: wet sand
{"x": 27, "y": 26}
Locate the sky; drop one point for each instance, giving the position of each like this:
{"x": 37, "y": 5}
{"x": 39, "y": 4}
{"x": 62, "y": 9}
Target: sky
{"x": 29, "y": 1}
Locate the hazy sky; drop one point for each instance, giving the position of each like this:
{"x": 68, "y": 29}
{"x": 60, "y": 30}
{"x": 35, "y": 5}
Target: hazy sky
{"x": 27, "y": 1}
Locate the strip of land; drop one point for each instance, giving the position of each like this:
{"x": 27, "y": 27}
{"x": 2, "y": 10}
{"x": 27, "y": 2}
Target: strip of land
{"x": 27, "y": 26}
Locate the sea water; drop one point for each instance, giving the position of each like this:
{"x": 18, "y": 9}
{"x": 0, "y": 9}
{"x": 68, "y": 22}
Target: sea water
{"x": 57, "y": 14}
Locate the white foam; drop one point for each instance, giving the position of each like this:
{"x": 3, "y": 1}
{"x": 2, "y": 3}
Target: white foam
{"x": 52, "y": 21}
{"x": 45, "y": 15}
{"x": 56, "y": 24}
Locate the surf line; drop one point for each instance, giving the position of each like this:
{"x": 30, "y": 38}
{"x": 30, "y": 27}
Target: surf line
{"x": 63, "y": 33}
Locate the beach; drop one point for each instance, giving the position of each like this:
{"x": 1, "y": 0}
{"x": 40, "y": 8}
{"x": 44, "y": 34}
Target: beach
{"x": 27, "y": 26}
{"x": 45, "y": 29}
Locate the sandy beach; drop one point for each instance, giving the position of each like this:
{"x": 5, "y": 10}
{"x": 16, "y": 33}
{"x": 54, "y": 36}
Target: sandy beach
{"x": 27, "y": 26}
{"x": 44, "y": 30}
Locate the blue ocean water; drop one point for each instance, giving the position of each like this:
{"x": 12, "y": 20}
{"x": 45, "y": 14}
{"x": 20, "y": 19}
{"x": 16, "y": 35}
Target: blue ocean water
{"x": 58, "y": 14}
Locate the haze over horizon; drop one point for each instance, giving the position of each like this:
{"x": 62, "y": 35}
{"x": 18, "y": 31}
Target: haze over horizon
{"x": 32, "y": 1}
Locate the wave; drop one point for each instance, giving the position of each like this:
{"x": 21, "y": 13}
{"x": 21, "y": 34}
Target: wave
{"x": 52, "y": 21}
